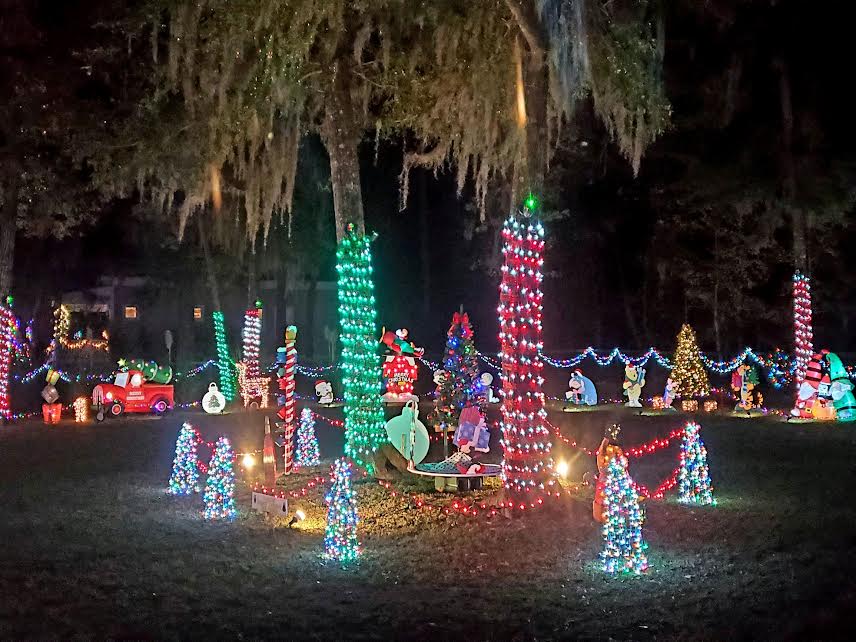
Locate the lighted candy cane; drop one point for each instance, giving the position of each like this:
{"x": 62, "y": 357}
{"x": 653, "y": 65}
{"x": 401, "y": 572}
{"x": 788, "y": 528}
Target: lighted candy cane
{"x": 287, "y": 413}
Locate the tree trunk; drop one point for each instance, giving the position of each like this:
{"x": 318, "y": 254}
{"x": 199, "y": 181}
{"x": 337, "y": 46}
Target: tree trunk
{"x": 716, "y": 334}
{"x": 8, "y": 231}
{"x": 251, "y": 278}
{"x": 788, "y": 168}
{"x": 210, "y": 274}
{"x": 341, "y": 135}
{"x": 424, "y": 242}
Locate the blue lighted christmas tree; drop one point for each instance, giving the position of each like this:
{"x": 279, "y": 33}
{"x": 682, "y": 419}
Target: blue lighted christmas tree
{"x": 307, "y": 442}
{"x": 623, "y": 546}
{"x": 219, "y": 494}
{"x": 185, "y": 467}
{"x": 694, "y": 485}
{"x": 340, "y": 537}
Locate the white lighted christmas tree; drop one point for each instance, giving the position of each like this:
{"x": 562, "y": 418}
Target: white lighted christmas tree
{"x": 307, "y": 441}
{"x": 185, "y": 467}
{"x": 694, "y": 485}
{"x": 623, "y": 546}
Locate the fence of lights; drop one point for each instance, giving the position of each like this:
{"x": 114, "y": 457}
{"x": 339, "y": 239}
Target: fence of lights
{"x": 525, "y": 438}
{"x": 803, "y": 335}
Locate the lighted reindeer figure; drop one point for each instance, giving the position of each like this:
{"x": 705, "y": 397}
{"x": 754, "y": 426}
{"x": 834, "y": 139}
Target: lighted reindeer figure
{"x": 254, "y": 390}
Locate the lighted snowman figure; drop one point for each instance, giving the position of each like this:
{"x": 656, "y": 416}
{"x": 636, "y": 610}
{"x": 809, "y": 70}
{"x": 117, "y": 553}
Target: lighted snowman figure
{"x": 487, "y": 383}
{"x": 213, "y": 402}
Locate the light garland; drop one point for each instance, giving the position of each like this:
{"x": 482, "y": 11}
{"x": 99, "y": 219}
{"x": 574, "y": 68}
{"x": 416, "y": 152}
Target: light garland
{"x": 307, "y": 442}
{"x": 8, "y": 324}
{"x": 803, "y": 333}
{"x": 688, "y": 373}
{"x": 185, "y": 467}
{"x": 219, "y": 496}
{"x": 81, "y": 410}
{"x": 340, "y": 536}
{"x": 623, "y": 546}
{"x": 694, "y": 485}
{"x": 525, "y": 439}
{"x": 361, "y": 369}
{"x": 224, "y": 363}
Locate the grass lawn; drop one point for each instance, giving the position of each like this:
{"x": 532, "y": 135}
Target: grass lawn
{"x": 93, "y": 547}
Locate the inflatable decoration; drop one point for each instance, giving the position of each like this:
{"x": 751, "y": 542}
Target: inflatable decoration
{"x": 634, "y": 381}
{"x": 399, "y": 367}
{"x": 408, "y": 434}
{"x": 813, "y": 392}
{"x": 841, "y": 389}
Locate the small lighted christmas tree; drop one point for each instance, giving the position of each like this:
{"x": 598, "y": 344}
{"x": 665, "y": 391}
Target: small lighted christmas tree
{"x": 688, "y": 372}
{"x": 307, "y": 442}
{"x": 461, "y": 364}
{"x": 185, "y": 467}
{"x": 694, "y": 485}
{"x": 219, "y": 494}
{"x": 623, "y": 546}
{"x": 340, "y": 537}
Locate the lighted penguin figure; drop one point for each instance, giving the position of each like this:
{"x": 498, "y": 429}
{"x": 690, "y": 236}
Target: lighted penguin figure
{"x": 841, "y": 389}
{"x": 634, "y": 381}
{"x": 581, "y": 390}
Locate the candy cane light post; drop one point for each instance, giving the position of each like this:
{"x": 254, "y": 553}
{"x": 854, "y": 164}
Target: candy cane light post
{"x": 287, "y": 357}
{"x": 803, "y": 334}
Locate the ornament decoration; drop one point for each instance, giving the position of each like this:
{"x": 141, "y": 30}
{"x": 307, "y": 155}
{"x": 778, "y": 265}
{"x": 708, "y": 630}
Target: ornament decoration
{"x": 688, "y": 373}
{"x": 185, "y": 467}
{"x": 803, "y": 333}
{"x": 340, "y": 536}
{"x": 694, "y": 484}
{"x": 360, "y": 362}
{"x": 224, "y": 363}
{"x": 213, "y": 401}
{"x": 307, "y": 441}
{"x": 219, "y": 496}
{"x": 525, "y": 439}
{"x": 623, "y": 545}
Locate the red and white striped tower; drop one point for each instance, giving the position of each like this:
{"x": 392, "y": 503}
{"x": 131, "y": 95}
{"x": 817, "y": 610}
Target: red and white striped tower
{"x": 286, "y": 411}
{"x": 803, "y": 333}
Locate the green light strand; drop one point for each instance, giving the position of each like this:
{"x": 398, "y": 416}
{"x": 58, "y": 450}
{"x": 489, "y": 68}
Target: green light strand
{"x": 361, "y": 365}
{"x": 224, "y": 363}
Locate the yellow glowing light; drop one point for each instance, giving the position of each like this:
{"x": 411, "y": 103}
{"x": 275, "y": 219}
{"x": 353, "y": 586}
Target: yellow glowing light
{"x": 248, "y": 461}
{"x": 300, "y": 515}
{"x": 562, "y": 468}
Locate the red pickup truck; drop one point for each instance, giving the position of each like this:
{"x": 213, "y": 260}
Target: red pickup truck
{"x": 130, "y": 393}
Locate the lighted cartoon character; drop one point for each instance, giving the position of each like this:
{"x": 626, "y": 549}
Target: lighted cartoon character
{"x": 324, "y": 392}
{"x": 634, "y": 381}
{"x": 581, "y": 390}
{"x": 399, "y": 368}
{"x": 744, "y": 380}
{"x": 807, "y": 393}
{"x": 472, "y": 438}
{"x": 841, "y": 389}
{"x": 607, "y": 450}
{"x": 669, "y": 394}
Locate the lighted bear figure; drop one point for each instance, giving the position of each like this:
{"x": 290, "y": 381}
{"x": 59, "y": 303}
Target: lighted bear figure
{"x": 744, "y": 380}
{"x": 324, "y": 391}
{"x": 634, "y": 381}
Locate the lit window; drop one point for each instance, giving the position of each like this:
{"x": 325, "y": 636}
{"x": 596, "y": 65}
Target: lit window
{"x": 197, "y": 313}
{"x": 130, "y": 312}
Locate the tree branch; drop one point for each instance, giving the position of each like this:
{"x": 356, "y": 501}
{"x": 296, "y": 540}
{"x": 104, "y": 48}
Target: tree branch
{"x": 524, "y": 14}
